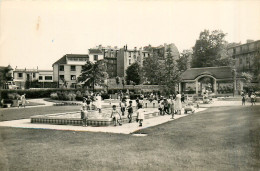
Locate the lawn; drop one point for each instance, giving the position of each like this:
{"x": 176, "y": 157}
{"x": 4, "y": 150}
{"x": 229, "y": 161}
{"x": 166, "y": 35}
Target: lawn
{"x": 224, "y": 138}
{"x": 23, "y": 113}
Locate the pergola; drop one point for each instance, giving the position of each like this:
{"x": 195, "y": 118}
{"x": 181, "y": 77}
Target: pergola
{"x": 218, "y": 75}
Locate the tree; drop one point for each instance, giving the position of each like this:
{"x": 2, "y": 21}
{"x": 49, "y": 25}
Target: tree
{"x": 133, "y": 73}
{"x": 5, "y": 75}
{"x": 150, "y": 69}
{"x": 184, "y": 61}
{"x": 170, "y": 75}
{"x": 93, "y": 74}
{"x": 210, "y": 49}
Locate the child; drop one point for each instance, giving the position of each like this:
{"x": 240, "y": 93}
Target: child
{"x": 140, "y": 115}
{"x": 243, "y": 99}
{"x": 84, "y": 114}
{"x": 130, "y": 111}
{"x": 160, "y": 107}
{"x": 122, "y": 105}
{"x": 115, "y": 115}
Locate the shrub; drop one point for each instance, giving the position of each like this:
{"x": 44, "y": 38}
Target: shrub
{"x": 54, "y": 96}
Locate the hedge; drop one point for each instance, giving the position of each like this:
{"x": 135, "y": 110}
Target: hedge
{"x": 36, "y": 93}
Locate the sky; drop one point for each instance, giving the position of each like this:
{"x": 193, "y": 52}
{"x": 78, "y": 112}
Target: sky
{"x": 37, "y": 33}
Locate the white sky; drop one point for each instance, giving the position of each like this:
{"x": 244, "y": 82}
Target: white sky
{"x": 37, "y": 33}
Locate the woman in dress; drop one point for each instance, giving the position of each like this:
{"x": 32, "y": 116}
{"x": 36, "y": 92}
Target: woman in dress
{"x": 178, "y": 105}
{"x": 140, "y": 114}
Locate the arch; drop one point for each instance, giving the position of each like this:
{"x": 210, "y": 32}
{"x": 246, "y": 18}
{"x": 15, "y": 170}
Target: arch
{"x": 204, "y": 75}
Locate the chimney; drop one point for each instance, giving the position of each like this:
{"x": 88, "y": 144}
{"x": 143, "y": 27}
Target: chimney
{"x": 135, "y": 48}
{"x": 100, "y": 47}
{"x": 126, "y": 47}
{"x": 115, "y": 47}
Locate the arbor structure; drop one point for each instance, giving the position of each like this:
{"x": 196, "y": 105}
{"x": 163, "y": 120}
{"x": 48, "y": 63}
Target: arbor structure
{"x": 93, "y": 74}
{"x": 210, "y": 50}
{"x": 133, "y": 73}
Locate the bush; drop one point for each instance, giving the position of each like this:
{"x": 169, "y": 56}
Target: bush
{"x": 105, "y": 96}
{"x": 13, "y": 96}
{"x": 54, "y": 96}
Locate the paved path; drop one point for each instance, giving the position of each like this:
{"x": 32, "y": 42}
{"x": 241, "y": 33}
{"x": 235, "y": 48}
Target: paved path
{"x": 124, "y": 129}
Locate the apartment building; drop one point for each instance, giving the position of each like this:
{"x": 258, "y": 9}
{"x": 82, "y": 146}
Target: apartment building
{"x": 127, "y": 57}
{"x": 161, "y": 51}
{"x": 247, "y": 56}
{"x": 67, "y": 69}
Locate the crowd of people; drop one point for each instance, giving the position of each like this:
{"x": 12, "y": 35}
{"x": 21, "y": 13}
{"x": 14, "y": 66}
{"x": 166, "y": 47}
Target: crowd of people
{"x": 170, "y": 105}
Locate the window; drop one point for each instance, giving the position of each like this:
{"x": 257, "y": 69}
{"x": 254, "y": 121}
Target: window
{"x": 33, "y": 75}
{"x": 61, "y": 77}
{"x": 73, "y": 77}
{"x": 20, "y": 75}
{"x": 129, "y": 61}
{"x": 95, "y": 57}
{"x": 48, "y": 77}
{"x": 72, "y": 68}
{"x": 62, "y": 68}
{"x": 40, "y": 77}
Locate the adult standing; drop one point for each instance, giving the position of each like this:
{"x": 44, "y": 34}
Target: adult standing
{"x": 98, "y": 102}
{"x": 253, "y": 98}
{"x": 23, "y": 100}
{"x": 178, "y": 104}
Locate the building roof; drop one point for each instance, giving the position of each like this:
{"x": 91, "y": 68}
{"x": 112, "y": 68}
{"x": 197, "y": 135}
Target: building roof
{"x": 63, "y": 60}
{"x": 217, "y": 72}
{"x": 95, "y": 51}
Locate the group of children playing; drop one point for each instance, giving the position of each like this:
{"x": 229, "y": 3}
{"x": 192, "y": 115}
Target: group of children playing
{"x": 115, "y": 115}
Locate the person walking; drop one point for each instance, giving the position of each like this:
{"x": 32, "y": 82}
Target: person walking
{"x": 23, "y": 100}
{"x": 140, "y": 115}
{"x": 130, "y": 111}
{"x": 243, "y": 99}
{"x": 172, "y": 111}
{"x": 178, "y": 105}
{"x": 122, "y": 106}
{"x": 98, "y": 102}
{"x": 253, "y": 98}
{"x": 182, "y": 97}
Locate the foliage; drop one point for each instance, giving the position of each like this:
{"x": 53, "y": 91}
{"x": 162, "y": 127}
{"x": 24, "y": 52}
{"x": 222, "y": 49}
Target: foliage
{"x": 151, "y": 70}
{"x": 93, "y": 74}
{"x": 5, "y": 76}
{"x": 170, "y": 75}
{"x": 133, "y": 73}
{"x": 210, "y": 50}
{"x": 183, "y": 62}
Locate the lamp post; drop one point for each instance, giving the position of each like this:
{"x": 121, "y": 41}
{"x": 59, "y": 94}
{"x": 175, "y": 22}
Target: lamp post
{"x": 234, "y": 74}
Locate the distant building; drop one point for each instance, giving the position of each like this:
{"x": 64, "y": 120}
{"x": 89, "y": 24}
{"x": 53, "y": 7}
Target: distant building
{"x": 127, "y": 57}
{"x": 20, "y": 76}
{"x": 67, "y": 69}
{"x": 247, "y": 56}
{"x": 109, "y": 54}
{"x": 161, "y": 51}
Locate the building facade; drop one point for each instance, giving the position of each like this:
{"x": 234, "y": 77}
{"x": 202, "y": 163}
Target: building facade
{"x": 161, "y": 51}
{"x": 127, "y": 57}
{"x": 247, "y": 56}
{"x": 67, "y": 69}
{"x": 20, "y": 76}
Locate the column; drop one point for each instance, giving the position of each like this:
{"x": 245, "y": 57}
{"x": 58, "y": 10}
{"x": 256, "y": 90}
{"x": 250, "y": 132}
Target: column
{"x": 215, "y": 86}
{"x": 197, "y": 87}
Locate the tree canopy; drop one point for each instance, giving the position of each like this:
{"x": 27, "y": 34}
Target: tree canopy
{"x": 210, "y": 50}
{"x": 150, "y": 69}
{"x": 183, "y": 62}
{"x": 133, "y": 73}
{"x": 93, "y": 74}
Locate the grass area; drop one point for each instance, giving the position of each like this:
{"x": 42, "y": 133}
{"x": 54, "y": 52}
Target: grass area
{"x": 23, "y": 113}
{"x": 224, "y": 138}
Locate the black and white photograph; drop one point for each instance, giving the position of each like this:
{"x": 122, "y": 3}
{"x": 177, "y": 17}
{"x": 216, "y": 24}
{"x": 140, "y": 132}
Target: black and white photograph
{"x": 126, "y": 85}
